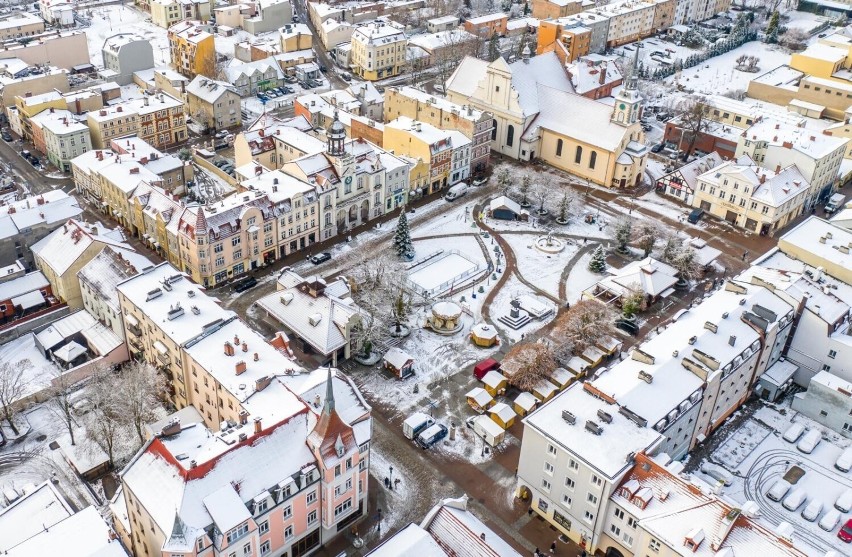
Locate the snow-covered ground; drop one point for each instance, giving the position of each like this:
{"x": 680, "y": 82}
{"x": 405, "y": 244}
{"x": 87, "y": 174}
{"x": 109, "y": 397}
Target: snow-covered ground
{"x": 757, "y": 455}
{"x": 502, "y": 305}
{"x": 540, "y": 269}
{"x": 110, "y": 20}
{"x": 580, "y": 278}
{"x": 804, "y": 21}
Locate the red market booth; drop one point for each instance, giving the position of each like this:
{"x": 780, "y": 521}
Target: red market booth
{"x": 483, "y": 367}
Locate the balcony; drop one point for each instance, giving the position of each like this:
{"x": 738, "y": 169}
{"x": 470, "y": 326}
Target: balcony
{"x": 136, "y": 345}
{"x": 134, "y": 330}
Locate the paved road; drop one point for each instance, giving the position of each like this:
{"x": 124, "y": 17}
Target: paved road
{"x": 34, "y": 180}
{"x": 323, "y": 57}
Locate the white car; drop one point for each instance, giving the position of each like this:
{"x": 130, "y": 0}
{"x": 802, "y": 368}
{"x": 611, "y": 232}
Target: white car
{"x": 844, "y": 501}
{"x": 829, "y": 520}
{"x": 810, "y": 441}
{"x": 812, "y": 511}
{"x": 717, "y": 473}
{"x": 795, "y": 499}
{"x": 778, "y": 490}
{"x": 793, "y": 433}
{"x": 844, "y": 461}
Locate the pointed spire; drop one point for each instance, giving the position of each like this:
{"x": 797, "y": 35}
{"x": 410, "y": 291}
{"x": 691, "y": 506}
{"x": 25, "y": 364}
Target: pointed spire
{"x": 200, "y": 222}
{"x": 328, "y": 407}
{"x": 633, "y": 78}
{"x": 178, "y": 530}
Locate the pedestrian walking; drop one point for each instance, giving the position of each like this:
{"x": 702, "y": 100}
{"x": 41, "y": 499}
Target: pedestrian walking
{"x": 745, "y": 254}
{"x": 553, "y": 548}
{"x": 536, "y": 553}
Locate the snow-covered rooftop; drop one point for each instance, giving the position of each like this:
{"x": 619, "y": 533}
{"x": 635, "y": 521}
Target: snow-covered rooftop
{"x": 104, "y": 272}
{"x": 818, "y": 243}
{"x": 148, "y": 291}
{"x": 608, "y": 452}
{"x": 36, "y": 511}
{"x": 31, "y": 282}
{"x": 806, "y": 141}
{"x": 85, "y": 534}
{"x": 672, "y": 384}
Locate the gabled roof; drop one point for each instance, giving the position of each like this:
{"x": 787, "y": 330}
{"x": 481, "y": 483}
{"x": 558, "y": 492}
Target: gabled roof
{"x": 62, "y": 247}
{"x": 331, "y": 438}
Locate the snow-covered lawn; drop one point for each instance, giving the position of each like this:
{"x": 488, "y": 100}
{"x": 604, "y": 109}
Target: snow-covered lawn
{"x": 757, "y": 456}
{"x": 466, "y": 245}
{"x": 580, "y": 278}
{"x": 662, "y": 206}
{"x": 110, "y": 20}
{"x": 455, "y": 219}
{"x": 541, "y": 269}
{"x": 804, "y": 21}
{"x": 717, "y": 75}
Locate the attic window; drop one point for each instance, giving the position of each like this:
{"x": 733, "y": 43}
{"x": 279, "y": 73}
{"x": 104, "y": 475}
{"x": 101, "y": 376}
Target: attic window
{"x": 497, "y": 88}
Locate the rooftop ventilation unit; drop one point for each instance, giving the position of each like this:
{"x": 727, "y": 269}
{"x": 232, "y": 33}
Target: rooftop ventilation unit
{"x": 569, "y": 417}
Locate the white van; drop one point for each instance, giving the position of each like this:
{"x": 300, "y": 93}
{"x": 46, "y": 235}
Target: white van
{"x": 810, "y": 441}
{"x": 829, "y": 520}
{"x": 456, "y": 191}
{"x": 778, "y": 490}
{"x": 416, "y": 423}
{"x": 811, "y": 512}
{"x": 793, "y": 433}
{"x": 794, "y": 499}
{"x": 835, "y": 202}
{"x": 844, "y": 501}
{"x": 844, "y": 461}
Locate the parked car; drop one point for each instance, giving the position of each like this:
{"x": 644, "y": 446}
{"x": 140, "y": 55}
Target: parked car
{"x": 345, "y": 76}
{"x": 646, "y": 127}
{"x": 717, "y": 473}
{"x": 320, "y": 258}
{"x": 829, "y": 520}
{"x": 416, "y": 423}
{"x": 438, "y": 87}
{"x": 812, "y": 511}
{"x": 6, "y": 136}
{"x": 844, "y": 501}
{"x": 695, "y": 216}
{"x": 34, "y": 161}
{"x": 844, "y": 461}
{"x": 657, "y": 148}
{"x": 810, "y": 441}
{"x": 794, "y": 499}
{"x": 778, "y": 490}
{"x": 793, "y": 433}
{"x": 456, "y": 191}
{"x": 480, "y": 181}
{"x": 845, "y": 532}
{"x": 244, "y": 284}
{"x": 431, "y": 435}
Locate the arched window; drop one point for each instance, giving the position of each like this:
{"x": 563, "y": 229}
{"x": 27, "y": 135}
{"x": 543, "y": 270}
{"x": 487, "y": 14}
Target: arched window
{"x": 494, "y": 130}
{"x": 559, "y": 147}
{"x": 578, "y": 156}
{"x": 510, "y": 135}
{"x": 593, "y": 158}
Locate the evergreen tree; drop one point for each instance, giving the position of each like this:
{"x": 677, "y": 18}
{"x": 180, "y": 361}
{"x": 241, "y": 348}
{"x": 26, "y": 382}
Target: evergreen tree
{"x": 597, "y": 264}
{"x": 564, "y": 204}
{"x": 402, "y": 237}
{"x": 493, "y": 48}
{"x": 623, "y": 233}
{"x": 773, "y": 28}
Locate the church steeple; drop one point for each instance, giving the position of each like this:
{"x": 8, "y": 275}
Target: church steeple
{"x": 628, "y": 101}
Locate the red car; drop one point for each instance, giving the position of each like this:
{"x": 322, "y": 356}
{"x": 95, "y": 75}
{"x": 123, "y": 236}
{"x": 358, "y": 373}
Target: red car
{"x": 845, "y": 532}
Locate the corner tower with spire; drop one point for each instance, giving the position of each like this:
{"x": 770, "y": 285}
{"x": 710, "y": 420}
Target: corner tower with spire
{"x": 628, "y": 101}
{"x": 336, "y": 137}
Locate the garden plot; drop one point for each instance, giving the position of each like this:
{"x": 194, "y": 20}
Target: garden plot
{"x": 540, "y": 269}
{"x": 767, "y": 460}
{"x": 739, "y": 445}
{"x": 501, "y": 305}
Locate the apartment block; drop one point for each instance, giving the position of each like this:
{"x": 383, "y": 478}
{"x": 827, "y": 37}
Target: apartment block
{"x": 418, "y": 105}
{"x": 487, "y": 25}
{"x": 554, "y": 9}
{"x": 629, "y": 20}
{"x": 378, "y": 50}
{"x": 579, "y": 34}
{"x": 212, "y": 103}
{"x": 126, "y": 53}
{"x": 818, "y": 156}
{"x": 576, "y": 450}
{"x": 98, "y": 279}
{"x": 166, "y": 13}
{"x": 752, "y": 197}
{"x": 740, "y": 330}
{"x": 192, "y": 49}
{"x": 420, "y": 140}
{"x": 60, "y": 137}
{"x": 20, "y": 24}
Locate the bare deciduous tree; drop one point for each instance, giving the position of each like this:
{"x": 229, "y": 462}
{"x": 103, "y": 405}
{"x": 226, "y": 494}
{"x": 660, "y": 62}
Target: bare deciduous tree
{"x": 646, "y": 236}
{"x": 13, "y": 386}
{"x": 59, "y": 404}
{"x": 693, "y": 122}
{"x": 377, "y": 287}
{"x": 525, "y": 365}
{"x": 585, "y": 324}
{"x": 105, "y": 422}
{"x": 140, "y": 386}
{"x": 541, "y": 194}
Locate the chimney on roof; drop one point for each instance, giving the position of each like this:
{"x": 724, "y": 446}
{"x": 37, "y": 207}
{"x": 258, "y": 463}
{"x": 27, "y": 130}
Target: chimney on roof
{"x": 813, "y": 138}
{"x": 258, "y": 427}
{"x": 777, "y": 168}
{"x": 762, "y": 178}
{"x": 602, "y": 78}
{"x": 777, "y": 126}
{"x": 260, "y": 132}
{"x": 245, "y": 346}
{"x": 243, "y": 417}
{"x": 236, "y": 340}
{"x": 787, "y": 144}
{"x": 229, "y": 349}
{"x": 732, "y": 340}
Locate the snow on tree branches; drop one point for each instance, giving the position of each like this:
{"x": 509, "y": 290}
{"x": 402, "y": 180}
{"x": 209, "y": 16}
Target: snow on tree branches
{"x": 586, "y": 323}
{"x": 526, "y": 365}
{"x": 402, "y": 238}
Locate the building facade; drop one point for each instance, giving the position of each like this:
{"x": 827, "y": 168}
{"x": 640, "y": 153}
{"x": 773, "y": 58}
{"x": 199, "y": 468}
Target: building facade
{"x": 378, "y": 50}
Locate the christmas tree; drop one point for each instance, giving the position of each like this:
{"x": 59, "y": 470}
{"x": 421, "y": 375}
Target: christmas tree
{"x": 598, "y": 262}
{"x": 402, "y": 237}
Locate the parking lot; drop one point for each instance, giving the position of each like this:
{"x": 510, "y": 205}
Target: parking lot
{"x": 759, "y": 460}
